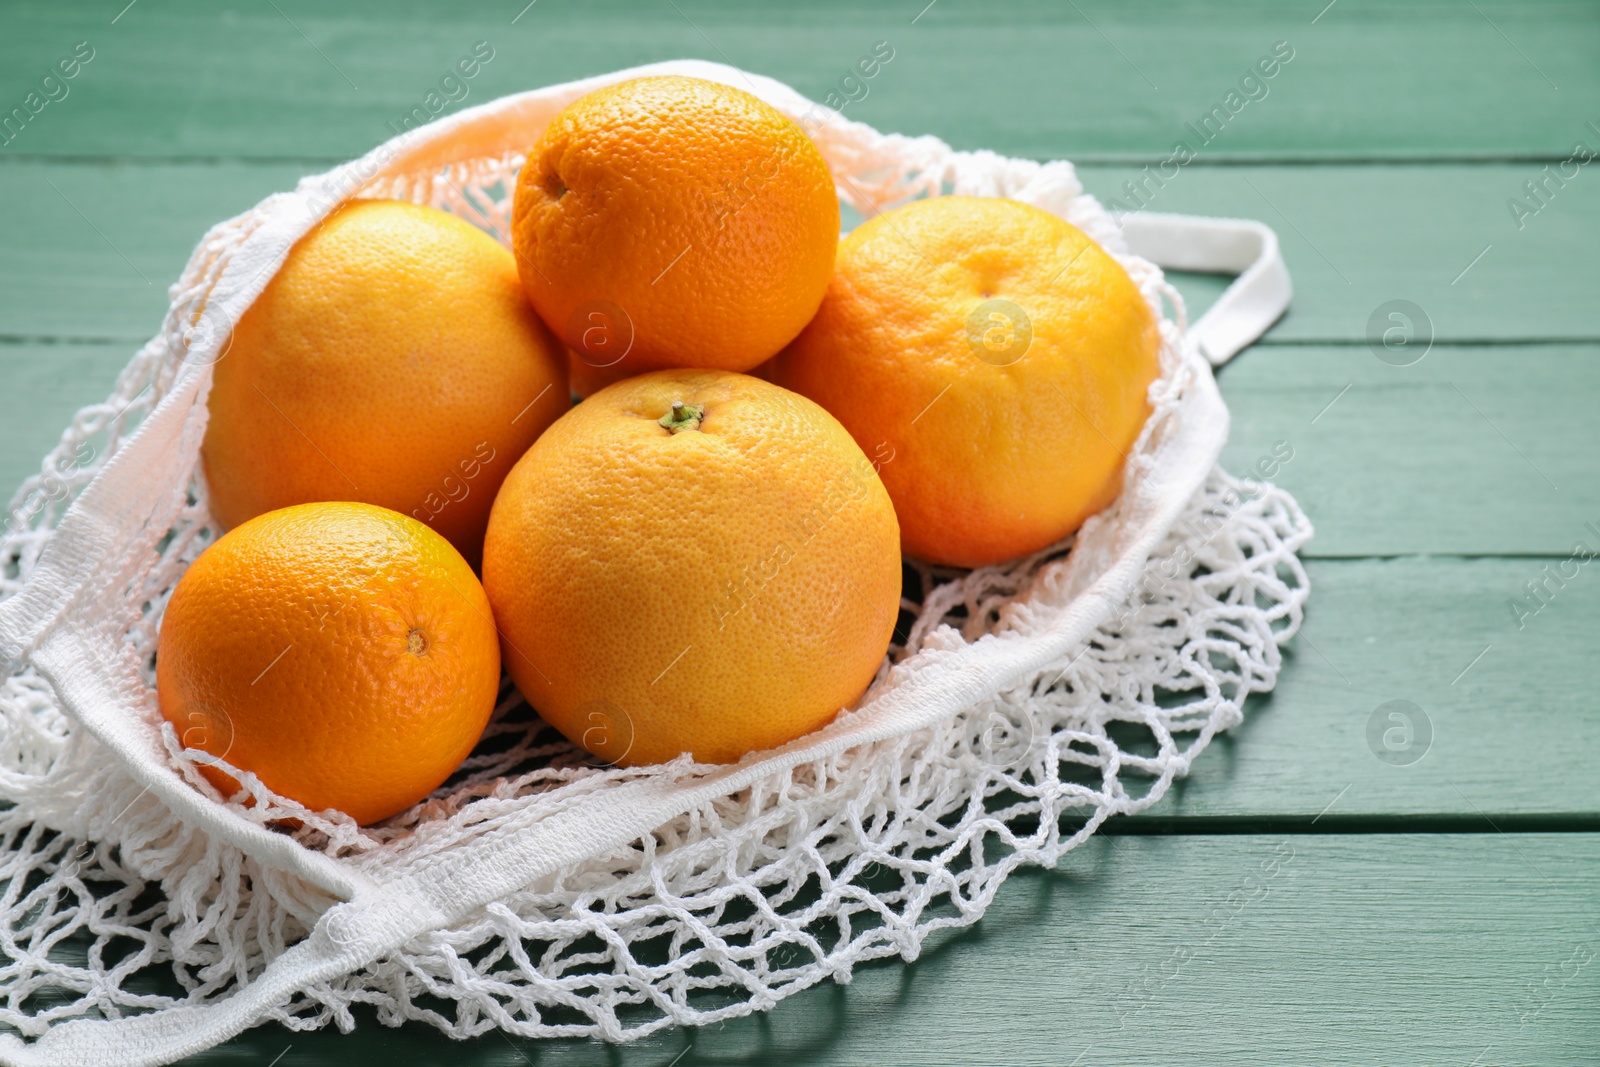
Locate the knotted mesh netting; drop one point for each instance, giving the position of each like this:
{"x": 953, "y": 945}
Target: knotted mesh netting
{"x": 114, "y": 905}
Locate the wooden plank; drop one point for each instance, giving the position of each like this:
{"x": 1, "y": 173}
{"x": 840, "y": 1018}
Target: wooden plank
{"x": 84, "y": 239}
{"x": 1439, "y": 632}
{"x": 1475, "y": 450}
{"x": 1380, "y": 473}
{"x": 1027, "y": 78}
{"x": 46, "y": 384}
{"x": 1510, "y": 712}
{"x": 91, "y": 250}
{"x": 1447, "y": 456}
{"x": 1221, "y": 950}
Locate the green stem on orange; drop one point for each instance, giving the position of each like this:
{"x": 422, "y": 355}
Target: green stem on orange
{"x": 683, "y": 417}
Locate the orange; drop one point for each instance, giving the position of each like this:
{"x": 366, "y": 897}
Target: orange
{"x": 393, "y": 359}
{"x": 999, "y": 355}
{"x": 674, "y": 222}
{"x": 715, "y": 582}
{"x": 343, "y": 653}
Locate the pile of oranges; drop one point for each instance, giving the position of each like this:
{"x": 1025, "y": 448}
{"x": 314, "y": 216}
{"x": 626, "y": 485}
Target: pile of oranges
{"x": 702, "y": 556}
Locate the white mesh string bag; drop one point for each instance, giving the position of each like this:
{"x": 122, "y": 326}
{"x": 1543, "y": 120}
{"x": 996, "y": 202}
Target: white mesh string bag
{"x": 147, "y": 917}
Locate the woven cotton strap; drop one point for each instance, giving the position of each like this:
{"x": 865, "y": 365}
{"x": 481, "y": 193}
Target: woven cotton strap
{"x": 1257, "y": 297}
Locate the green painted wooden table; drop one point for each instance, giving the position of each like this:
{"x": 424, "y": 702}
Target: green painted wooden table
{"x": 1442, "y": 910}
